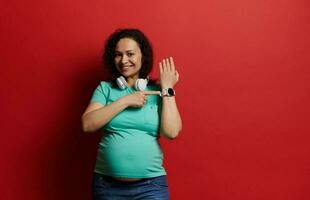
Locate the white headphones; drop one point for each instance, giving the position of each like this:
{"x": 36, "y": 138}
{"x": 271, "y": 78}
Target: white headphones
{"x": 140, "y": 83}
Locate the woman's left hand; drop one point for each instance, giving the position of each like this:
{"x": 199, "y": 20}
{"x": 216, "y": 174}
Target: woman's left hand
{"x": 168, "y": 74}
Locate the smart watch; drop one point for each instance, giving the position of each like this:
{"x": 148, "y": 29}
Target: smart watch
{"x": 168, "y": 92}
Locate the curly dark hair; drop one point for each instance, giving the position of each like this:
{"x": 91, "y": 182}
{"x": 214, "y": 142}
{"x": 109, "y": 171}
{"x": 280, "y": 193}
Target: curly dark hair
{"x": 144, "y": 44}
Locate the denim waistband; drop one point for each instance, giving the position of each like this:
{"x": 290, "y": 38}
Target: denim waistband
{"x": 111, "y": 179}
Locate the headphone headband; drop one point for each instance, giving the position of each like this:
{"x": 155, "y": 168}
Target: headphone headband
{"x": 140, "y": 83}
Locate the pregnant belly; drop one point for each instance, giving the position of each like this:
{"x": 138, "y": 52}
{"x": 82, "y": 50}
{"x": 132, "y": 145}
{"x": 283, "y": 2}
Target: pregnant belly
{"x": 130, "y": 156}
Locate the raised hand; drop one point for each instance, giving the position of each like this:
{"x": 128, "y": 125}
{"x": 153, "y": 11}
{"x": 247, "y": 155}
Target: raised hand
{"x": 168, "y": 74}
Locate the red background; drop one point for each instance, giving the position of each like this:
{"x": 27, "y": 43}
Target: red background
{"x": 243, "y": 94}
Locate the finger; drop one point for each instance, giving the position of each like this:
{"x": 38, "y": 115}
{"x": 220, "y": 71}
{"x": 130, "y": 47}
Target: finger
{"x": 144, "y": 99}
{"x": 160, "y": 67}
{"x": 168, "y": 64}
{"x": 152, "y": 92}
{"x": 140, "y": 93}
{"x": 177, "y": 74}
{"x": 172, "y": 64}
{"x": 164, "y": 65}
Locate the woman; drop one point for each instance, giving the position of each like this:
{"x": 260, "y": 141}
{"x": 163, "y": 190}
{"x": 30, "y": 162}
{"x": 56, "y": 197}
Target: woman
{"x": 130, "y": 114}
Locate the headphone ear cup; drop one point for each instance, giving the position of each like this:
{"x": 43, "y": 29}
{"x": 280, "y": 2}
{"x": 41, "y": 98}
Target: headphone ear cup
{"x": 141, "y": 84}
{"x": 121, "y": 82}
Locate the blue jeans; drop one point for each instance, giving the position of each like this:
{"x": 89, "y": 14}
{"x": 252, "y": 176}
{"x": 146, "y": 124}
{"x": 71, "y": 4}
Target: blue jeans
{"x": 107, "y": 188}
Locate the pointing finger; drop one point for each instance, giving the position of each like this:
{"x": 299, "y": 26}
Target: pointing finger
{"x": 152, "y": 92}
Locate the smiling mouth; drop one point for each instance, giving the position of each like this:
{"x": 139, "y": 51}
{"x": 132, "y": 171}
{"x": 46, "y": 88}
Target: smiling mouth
{"x": 126, "y": 67}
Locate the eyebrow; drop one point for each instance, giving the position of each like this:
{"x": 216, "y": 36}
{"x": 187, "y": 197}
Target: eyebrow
{"x": 125, "y": 51}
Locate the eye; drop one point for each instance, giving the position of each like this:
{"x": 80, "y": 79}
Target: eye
{"x": 130, "y": 54}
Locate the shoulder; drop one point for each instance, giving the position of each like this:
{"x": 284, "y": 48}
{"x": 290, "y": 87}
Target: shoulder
{"x": 105, "y": 85}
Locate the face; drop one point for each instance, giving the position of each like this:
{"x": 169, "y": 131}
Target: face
{"x": 128, "y": 58}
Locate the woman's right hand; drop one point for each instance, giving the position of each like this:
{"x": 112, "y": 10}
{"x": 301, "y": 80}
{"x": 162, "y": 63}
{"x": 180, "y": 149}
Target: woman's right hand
{"x": 138, "y": 99}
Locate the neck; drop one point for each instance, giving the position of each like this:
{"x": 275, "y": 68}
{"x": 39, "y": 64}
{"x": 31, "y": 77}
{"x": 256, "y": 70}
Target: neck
{"x": 131, "y": 81}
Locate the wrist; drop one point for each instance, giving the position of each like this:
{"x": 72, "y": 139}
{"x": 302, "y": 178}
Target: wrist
{"x": 166, "y": 86}
{"x": 169, "y": 92}
{"x": 123, "y": 102}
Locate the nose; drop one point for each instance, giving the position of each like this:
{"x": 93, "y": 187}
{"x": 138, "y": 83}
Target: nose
{"x": 124, "y": 59}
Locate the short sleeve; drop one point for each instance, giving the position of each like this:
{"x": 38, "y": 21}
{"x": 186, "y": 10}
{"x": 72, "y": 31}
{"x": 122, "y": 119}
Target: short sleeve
{"x": 100, "y": 94}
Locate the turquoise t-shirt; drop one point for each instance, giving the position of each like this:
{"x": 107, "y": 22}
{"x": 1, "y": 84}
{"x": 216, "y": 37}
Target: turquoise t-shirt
{"x": 129, "y": 145}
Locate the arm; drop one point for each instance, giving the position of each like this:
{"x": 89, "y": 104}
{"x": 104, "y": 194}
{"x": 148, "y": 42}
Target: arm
{"x": 171, "y": 123}
{"x": 97, "y": 115}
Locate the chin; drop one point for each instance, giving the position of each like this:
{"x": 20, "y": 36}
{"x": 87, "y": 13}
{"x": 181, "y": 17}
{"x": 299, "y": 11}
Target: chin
{"x": 128, "y": 74}
{"x": 125, "y": 75}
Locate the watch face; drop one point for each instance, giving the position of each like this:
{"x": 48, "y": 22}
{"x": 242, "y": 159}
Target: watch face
{"x": 170, "y": 92}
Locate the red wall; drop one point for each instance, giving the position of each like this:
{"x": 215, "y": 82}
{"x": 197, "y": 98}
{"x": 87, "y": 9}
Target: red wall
{"x": 244, "y": 95}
